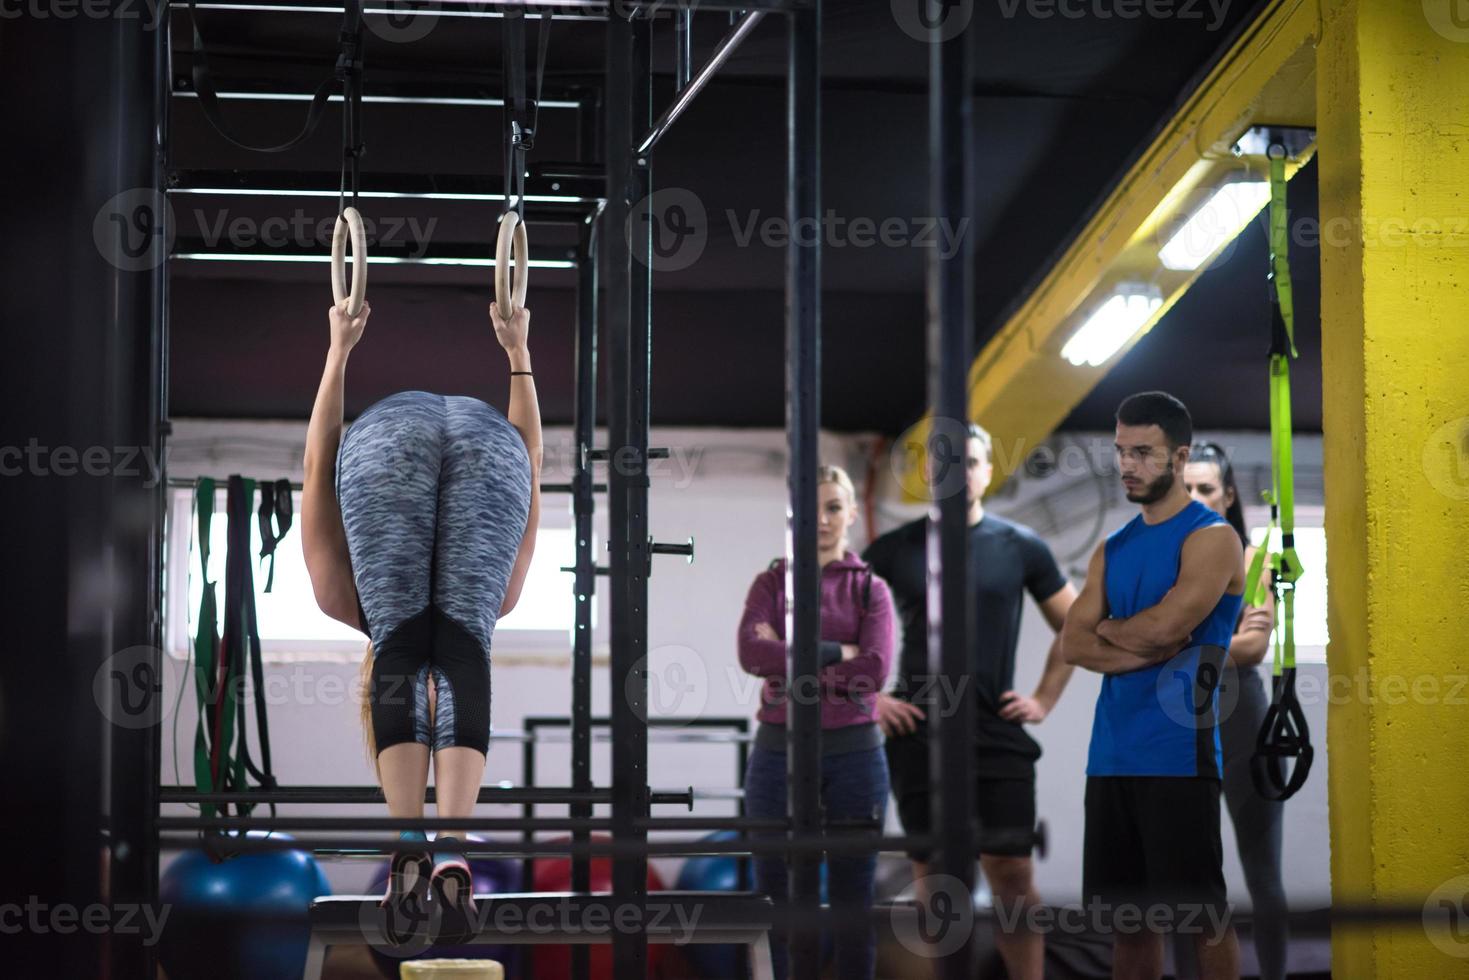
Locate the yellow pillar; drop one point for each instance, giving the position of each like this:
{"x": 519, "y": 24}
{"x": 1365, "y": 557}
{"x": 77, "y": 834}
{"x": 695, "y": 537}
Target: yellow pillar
{"x": 1393, "y": 131}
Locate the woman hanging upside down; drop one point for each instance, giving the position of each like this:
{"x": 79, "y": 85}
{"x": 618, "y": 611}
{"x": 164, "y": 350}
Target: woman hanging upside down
{"x": 418, "y": 528}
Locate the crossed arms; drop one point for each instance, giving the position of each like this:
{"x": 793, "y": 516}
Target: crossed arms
{"x": 1210, "y": 563}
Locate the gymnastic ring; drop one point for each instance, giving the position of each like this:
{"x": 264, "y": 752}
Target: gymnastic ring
{"x": 349, "y": 221}
{"x": 510, "y": 296}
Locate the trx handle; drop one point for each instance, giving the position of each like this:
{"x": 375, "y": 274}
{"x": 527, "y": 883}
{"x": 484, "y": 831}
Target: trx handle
{"x": 276, "y": 511}
{"x": 1283, "y": 736}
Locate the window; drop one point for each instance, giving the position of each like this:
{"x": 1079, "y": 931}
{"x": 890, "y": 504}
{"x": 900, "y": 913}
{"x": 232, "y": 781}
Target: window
{"x": 293, "y": 628}
{"x": 1310, "y": 604}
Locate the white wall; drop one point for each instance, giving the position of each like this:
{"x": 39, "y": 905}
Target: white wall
{"x": 727, "y": 490}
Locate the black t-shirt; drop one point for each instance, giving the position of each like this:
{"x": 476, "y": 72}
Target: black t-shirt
{"x": 1005, "y": 561}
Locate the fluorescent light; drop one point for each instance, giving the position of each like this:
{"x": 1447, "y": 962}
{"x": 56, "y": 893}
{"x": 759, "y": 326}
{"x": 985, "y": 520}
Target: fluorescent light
{"x": 372, "y": 259}
{"x": 426, "y": 196}
{"x": 384, "y": 99}
{"x": 470, "y": 9}
{"x": 1113, "y": 324}
{"x": 1214, "y": 225}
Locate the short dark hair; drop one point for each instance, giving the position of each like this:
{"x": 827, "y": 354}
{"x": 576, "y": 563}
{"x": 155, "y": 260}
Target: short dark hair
{"x": 1161, "y": 409}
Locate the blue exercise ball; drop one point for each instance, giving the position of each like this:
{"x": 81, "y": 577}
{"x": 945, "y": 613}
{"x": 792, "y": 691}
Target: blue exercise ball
{"x": 244, "y": 917}
{"x": 492, "y": 876}
{"x": 721, "y": 873}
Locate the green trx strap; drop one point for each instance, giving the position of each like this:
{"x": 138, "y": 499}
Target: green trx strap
{"x": 1284, "y": 734}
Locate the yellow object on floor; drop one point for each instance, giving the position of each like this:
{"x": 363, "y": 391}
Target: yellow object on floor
{"x": 458, "y": 969}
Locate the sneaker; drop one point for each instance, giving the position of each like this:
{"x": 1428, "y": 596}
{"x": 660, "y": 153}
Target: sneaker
{"x": 405, "y": 906}
{"x": 453, "y": 888}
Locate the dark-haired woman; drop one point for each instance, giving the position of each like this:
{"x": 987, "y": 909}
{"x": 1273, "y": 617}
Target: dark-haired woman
{"x": 1209, "y": 478}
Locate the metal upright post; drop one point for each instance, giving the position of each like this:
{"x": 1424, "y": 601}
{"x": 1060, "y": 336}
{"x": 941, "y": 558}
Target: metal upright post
{"x": 528, "y": 809}
{"x": 950, "y": 611}
{"x": 82, "y": 369}
{"x": 627, "y": 244}
{"x": 136, "y": 352}
{"x": 683, "y": 49}
{"x": 583, "y": 504}
{"x": 803, "y": 422}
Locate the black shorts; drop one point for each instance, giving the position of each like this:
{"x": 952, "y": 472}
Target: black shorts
{"x": 1005, "y": 804}
{"x": 1151, "y": 852}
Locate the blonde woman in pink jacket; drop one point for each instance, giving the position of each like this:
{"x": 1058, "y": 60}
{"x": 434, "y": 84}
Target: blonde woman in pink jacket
{"x": 856, "y": 657}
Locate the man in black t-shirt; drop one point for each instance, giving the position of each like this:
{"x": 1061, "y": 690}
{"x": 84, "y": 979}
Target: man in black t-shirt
{"x": 1005, "y": 562}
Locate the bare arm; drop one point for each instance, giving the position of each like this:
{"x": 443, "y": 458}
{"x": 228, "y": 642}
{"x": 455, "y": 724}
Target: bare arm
{"x": 1252, "y": 638}
{"x": 1210, "y": 562}
{"x": 1080, "y": 644}
{"x": 525, "y": 414}
{"x": 323, "y": 539}
{"x": 1057, "y": 671}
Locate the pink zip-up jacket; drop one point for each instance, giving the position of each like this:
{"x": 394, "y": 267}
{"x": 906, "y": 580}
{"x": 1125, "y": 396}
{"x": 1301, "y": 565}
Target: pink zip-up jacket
{"x": 856, "y": 607}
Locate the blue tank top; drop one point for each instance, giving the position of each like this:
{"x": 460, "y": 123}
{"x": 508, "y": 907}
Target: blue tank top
{"x": 1162, "y": 720}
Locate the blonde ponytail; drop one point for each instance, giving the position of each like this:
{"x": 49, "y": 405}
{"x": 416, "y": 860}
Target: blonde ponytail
{"x": 364, "y": 691}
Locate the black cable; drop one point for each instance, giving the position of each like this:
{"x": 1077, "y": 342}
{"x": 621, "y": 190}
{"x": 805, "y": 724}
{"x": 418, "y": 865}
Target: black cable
{"x": 208, "y": 94}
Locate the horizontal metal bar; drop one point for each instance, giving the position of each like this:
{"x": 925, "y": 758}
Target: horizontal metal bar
{"x": 583, "y": 10}
{"x": 183, "y": 483}
{"x": 667, "y": 548}
{"x": 685, "y": 98}
{"x": 568, "y": 488}
{"x": 538, "y": 795}
{"x": 777, "y": 824}
{"x": 600, "y": 455}
{"x": 677, "y": 737}
{"x": 481, "y": 101}
{"x": 396, "y": 824}
{"x": 569, "y": 10}
{"x": 564, "y": 196}
{"x": 379, "y": 253}
{"x": 606, "y": 847}
{"x": 669, "y": 8}
{"x": 542, "y": 795}
{"x": 736, "y": 722}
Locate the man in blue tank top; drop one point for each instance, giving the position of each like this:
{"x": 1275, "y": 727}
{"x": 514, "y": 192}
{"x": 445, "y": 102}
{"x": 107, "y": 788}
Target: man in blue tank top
{"x": 1155, "y": 618}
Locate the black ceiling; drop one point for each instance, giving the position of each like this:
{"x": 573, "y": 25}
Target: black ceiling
{"x": 1061, "y": 108}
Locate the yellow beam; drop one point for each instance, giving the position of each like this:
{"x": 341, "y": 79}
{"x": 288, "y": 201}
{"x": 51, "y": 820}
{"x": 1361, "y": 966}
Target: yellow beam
{"x": 1020, "y": 387}
{"x": 1395, "y": 363}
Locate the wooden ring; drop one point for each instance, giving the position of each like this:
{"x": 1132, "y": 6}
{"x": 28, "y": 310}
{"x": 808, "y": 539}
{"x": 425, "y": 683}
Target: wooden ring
{"x": 349, "y": 221}
{"x": 510, "y": 294}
